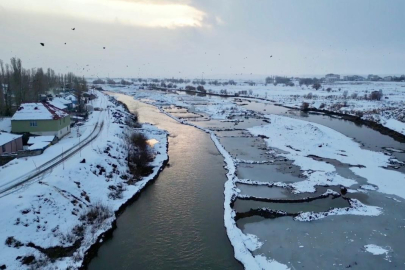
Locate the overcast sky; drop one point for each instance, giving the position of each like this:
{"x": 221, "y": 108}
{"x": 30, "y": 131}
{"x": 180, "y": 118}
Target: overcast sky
{"x": 210, "y": 38}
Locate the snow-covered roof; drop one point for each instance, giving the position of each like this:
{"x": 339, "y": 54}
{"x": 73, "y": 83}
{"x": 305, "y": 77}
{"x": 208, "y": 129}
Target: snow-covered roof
{"x": 71, "y": 97}
{"x": 37, "y": 139}
{"x": 60, "y": 103}
{"x": 39, "y": 145}
{"x": 38, "y": 111}
{"x": 7, "y": 137}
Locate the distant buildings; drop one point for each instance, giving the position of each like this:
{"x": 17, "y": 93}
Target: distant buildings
{"x": 372, "y": 77}
{"x": 354, "y": 78}
{"x": 331, "y": 78}
{"x": 40, "y": 119}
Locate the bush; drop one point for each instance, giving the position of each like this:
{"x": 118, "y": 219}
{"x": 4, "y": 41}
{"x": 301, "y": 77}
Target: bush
{"x": 78, "y": 230}
{"x": 116, "y": 191}
{"x": 376, "y": 95}
{"x": 139, "y": 155}
{"x": 96, "y": 214}
{"x": 201, "y": 88}
{"x": 305, "y": 106}
{"x": 309, "y": 95}
{"x": 328, "y": 89}
{"x": 354, "y": 96}
{"x": 345, "y": 94}
{"x": 316, "y": 86}
{"x": 322, "y": 106}
{"x": 12, "y": 242}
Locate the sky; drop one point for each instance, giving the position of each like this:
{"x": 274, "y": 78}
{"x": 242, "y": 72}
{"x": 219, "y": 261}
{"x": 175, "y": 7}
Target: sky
{"x": 236, "y": 39}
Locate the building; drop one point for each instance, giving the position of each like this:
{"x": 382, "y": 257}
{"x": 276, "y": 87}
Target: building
{"x": 40, "y": 119}
{"x": 10, "y": 143}
{"x": 372, "y": 77}
{"x": 388, "y": 78}
{"x": 355, "y": 78}
{"x": 331, "y": 78}
{"x": 62, "y": 104}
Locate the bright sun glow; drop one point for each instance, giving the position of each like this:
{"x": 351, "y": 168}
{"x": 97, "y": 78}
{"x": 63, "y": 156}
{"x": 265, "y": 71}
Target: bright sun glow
{"x": 135, "y": 13}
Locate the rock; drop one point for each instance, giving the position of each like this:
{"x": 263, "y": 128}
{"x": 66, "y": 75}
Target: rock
{"x": 83, "y": 161}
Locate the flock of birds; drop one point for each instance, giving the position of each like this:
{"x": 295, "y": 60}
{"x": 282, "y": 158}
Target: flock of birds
{"x": 74, "y": 28}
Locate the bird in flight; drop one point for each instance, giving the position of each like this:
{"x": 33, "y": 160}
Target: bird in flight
{"x": 73, "y": 29}
{"x": 104, "y": 48}
{"x": 271, "y": 56}
{"x": 42, "y": 44}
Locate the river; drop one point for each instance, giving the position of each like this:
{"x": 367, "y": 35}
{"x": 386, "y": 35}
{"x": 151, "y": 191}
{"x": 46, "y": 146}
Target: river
{"x": 177, "y": 222}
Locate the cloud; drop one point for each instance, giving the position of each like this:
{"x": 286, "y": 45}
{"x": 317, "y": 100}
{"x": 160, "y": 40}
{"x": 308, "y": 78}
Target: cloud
{"x": 140, "y": 13}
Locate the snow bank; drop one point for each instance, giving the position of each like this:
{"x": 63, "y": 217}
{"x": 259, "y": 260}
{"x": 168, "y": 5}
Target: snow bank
{"x": 51, "y": 210}
{"x": 307, "y": 143}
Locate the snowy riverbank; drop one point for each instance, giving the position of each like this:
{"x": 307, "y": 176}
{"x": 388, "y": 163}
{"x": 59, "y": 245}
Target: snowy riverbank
{"x": 53, "y": 221}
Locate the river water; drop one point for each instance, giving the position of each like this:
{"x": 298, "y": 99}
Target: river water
{"x": 177, "y": 222}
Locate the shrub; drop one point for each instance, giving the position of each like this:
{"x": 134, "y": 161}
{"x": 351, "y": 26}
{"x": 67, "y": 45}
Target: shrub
{"x": 309, "y": 95}
{"x": 328, "y": 89}
{"x": 305, "y": 106}
{"x": 354, "y": 95}
{"x": 116, "y": 192}
{"x": 96, "y": 214}
{"x": 322, "y": 106}
{"x": 78, "y": 230}
{"x": 316, "y": 86}
{"x": 139, "y": 154}
{"x": 376, "y": 95}
{"x": 201, "y": 88}
{"x": 12, "y": 242}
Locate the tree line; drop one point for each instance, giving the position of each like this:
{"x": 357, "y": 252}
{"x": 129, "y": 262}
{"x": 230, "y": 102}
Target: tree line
{"x": 19, "y": 85}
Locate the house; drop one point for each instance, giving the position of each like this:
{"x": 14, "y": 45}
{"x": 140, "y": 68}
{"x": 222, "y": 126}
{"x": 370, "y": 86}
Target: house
{"x": 355, "y": 78}
{"x": 372, "y": 77}
{"x": 40, "y": 119}
{"x": 62, "y": 104}
{"x": 10, "y": 143}
{"x": 331, "y": 78}
{"x": 41, "y": 142}
{"x": 72, "y": 98}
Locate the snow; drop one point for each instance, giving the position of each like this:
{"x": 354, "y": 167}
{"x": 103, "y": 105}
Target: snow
{"x": 38, "y": 145}
{"x": 38, "y": 139}
{"x": 356, "y": 208}
{"x": 60, "y": 103}
{"x": 5, "y": 124}
{"x": 313, "y": 139}
{"x": 37, "y": 111}
{"x": 376, "y": 250}
{"x": 7, "y": 137}
{"x": 394, "y": 125}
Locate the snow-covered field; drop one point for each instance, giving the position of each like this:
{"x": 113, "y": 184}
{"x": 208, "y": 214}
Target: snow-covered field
{"x": 51, "y": 221}
{"x": 340, "y": 97}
